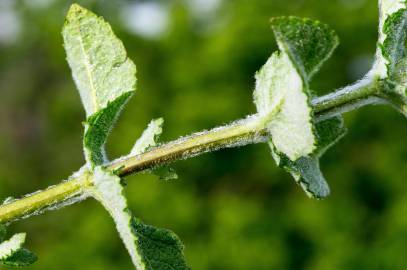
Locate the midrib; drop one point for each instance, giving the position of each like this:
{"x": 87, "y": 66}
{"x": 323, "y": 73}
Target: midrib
{"x": 89, "y": 73}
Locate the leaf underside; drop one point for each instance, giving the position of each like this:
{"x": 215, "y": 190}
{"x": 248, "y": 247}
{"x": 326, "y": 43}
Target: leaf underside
{"x": 12, "y": 252}
{"x": 393, "y": 46}
{"x": 279, "y": 84}
{"x": 392, "y": 35}
{"x": 98, "y": 59}
{"x": 306, "y": 170}
{"x": 295, "y": 140}
{"x": 105, "y": 78}
{"x": 149, "y": 139}
{"x": 104, "y": 75}
{"x": 150, "y": 248}
{"x": 391, "y": 62}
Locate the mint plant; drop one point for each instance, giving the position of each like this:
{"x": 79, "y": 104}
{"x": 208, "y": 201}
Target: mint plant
{"x": 297, "y": 125}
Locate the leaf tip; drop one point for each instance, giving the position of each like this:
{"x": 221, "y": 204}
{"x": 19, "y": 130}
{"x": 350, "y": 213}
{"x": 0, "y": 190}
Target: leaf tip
{"x": 75, "y": 9}
{"x": 308, "y": 42}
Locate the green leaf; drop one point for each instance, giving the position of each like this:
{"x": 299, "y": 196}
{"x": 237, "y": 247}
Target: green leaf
{"x": 103, "y": 74}
{"x": 308, "y": 43}
{"x": 150, "y": 248}
{"x": 278, "y": 84}
{"x": 12, "y": 253}
{"x": 20, "y": 258}
{"x": 8, "y": 247}
{"x": 160, "y": 248}
{"x": 149, "y": 139}
{"x": 392, "y": 34}
{"x": 165, "y": 173}
{"x": 393, "y": 46}
{"x": 98, "y": 127}
{"x": 306, "y": 170}
{"x": 282, "y": 83}
{"x": 390, "y": 63}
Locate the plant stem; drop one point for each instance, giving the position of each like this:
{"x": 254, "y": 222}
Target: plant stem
{"x": 241, "y": 133}
{"x": 247, "y": 131}
{"x": 349, "y": 98}
{"x": 34, "y": 203}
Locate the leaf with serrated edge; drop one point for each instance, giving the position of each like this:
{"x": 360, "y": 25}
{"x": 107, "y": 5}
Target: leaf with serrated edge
{"x": 150, "y": 248}
{"x": 291, "y": 129}
{"x": 104, "y": 76}
{"x": 306, "y": 169}
{"x": 308, "y": 43}
{"x": 392, "y": 27}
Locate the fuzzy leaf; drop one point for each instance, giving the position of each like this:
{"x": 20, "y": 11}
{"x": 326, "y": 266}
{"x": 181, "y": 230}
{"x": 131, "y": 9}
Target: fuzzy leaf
{"x": 8, "y": 247}
{"x": 12, "y": 253}
{"x": 308, "y": 43}
{"x": 150, "y": 248}
{"x": 390, "y": 63}
{"x": 283, "y": 83}
{"x": 306, "y": 169}
{"x": 393, "y": 46}
{"x": 98, "y": 60}
{"x": 149, "y": 139}
{"x": 279, "y": 84}
{"x": 160, "y": 248}
{"x": 20, "y": 258}
{"x": 392, "y": 34}
{"x": 98, "y": 127}
{"x": 104, "y": 75}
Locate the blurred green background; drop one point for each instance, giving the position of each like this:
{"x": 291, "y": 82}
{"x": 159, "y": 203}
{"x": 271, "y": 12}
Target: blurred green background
{"x": 233, "y": 209}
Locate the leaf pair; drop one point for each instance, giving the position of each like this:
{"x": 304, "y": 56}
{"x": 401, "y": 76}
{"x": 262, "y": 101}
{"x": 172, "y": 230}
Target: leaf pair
{"x": 105, "y": 78}
{"x": 296, "y": 140}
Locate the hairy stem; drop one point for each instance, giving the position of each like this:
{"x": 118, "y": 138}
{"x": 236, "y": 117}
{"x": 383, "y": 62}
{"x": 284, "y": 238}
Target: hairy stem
{"x": 349, "y": 98}
{"x": 241, "y": 133}
{"x": 37, "y": 201}
{"x": 247, "y": 131}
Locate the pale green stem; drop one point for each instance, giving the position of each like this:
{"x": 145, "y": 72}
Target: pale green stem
{"x": 32, "y": 203}
{"x": 247, "y": 131}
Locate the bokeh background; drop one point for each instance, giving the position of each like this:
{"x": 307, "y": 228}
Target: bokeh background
{"x": 233, "y": 209}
